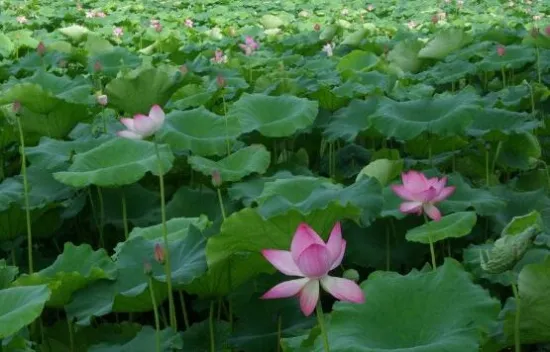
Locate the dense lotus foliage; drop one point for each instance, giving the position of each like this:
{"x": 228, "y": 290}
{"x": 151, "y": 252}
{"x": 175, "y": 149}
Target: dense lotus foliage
{"x": 290, "y": 175}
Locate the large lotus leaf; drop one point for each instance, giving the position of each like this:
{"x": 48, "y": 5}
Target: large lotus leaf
{"x": 11, "y": 192}
{"x": 426, "y": 308}
{"x": 448, "y": 72}
{"x": 383, "y": 170}
{"x": 114, "y": 61}
{"x": 444, "y": 115}
{"x": 144, "y": 341}
{"x": 515, "y": 57}
{"x": 75, "y": 268}
{"x": 405, "y": 55}
{"x": 363, "y": 199}
{"x": 7, "y": 274}
{"x": 137, "y": 91}
{"x": 348, "y": 122}
{"x": 95, "y": 45}
{"x": 13, "y": 221}
{"x": 200, "y": 131}
{"x": 53, "y": 154}
{"x": 357, "y": 60}
{"x": 6, "y": 45}
{"x": 279, "y": 116}
{"x": 20, "y": 307}
{"x": 193, "y": 203}
{"x": 23, "y": 38}
{"x": 466, "y": 197}
{"x": 454, "y": 225}
{"x": 249, "y": 190}
{"x": 520, "y": 151}
{"x": 197, "y": 337}
{"x": 44, "y": 190}
{"x": 246, "y": 161}
{"x": 444, "y": 43}
{"x": 117, "y": 162}
{"x": 75, "y": 32}
{"x": 502, "y": 122}
{"x": 364, "y": 83}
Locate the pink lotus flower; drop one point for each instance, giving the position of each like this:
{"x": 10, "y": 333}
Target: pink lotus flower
{"x": 156, "y": 25}
{"x": 249, "y": 46}
{"x": 41, "y": 49}
{"x": 311, "y": 258}
{"x": 102, "y": 99}
{"x": 21, "y": 19}
{"x": 547, "y": 31}
{"x": 90, "y": 14}
{"x": 100, "y": 14}
{"x": 219, "y": 57}
{"x": 143, "y": 126}
{"x": 328, "y": 48}
{"x": 188, "y": 23}
{"x": 422, "y": 193}
{"x": 118, "y": 32}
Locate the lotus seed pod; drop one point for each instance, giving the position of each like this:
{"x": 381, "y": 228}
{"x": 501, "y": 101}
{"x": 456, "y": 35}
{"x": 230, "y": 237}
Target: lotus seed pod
{"x": 351, "y": 274}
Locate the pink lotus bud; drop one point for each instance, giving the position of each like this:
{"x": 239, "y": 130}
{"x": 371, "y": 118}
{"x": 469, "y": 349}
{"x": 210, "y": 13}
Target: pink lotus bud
{"x": 118, "y": 32}
{"x": 188, "y": 23}
{"x": 317, "y": 27}
{"x": 220, "y": 81}
{"x": 501, "y": 50}
{"x": 147, "y": 268}
{"x": 98, "y": 67}
{"x": 159, "y": 254}
{"x": 102, "y": 100}
{"x": 41, "y": 49}
{"x": 216, "y": 178}
{"x": 435, "y": 19}
{"x": 547, "y": 30}
{"x": 16, "y": 106}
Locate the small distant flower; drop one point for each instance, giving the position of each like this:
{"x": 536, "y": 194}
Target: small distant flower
{"x": 303, "y": 13}
{"x": 100, "y": 14}
{"x": 232, "y": 32}
{"x": 216, "y": 178}
{"x": 102, "y": 100}
{"x": 460, "y": 3}
{"x": 370, "y": 7}
{"x": 422, "y": 193}
{"x": 21, "y": 19}
{"x": 143, "y": 126}
{"x": 79, "y": 6}
{"x": 501, "y": 50}
{"x": 249, "y": 46}
{"x": 219, "y": 57}
{"x": 147, "y": 268}
{"x": 312, "y": 259}
{"x": 16, "y": 106}
{"x": 547, "y": 30}
{"x": 90, "y": 14}
{"x": 327, "y": 48}
{"x": 98, "y": 67}
{"x": 62, "y": 63}
{"x": 317, "y": 27}
{"x": 156, "y": 25}
{"x": 159, "y": 254}
{"x": 537, "y": 17}
{"x": 435, "y": 19}
{"x": 184, "y": 69}
{"x": 411, "y": 24}
{"x": 344, "y": 12}
{"x": 118, "y": 32}
{"x": 188, "y": 23}
{"x": 41, "y": 49}
{"x": 220, "y": 81}
{"x": 442, "y": 15}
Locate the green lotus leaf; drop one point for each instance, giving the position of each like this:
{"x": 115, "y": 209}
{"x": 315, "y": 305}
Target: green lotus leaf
{"x": 23, "y": 38}
{"x": 279, "y": 116}
{"x": 355, "y": 38}
{"x": 197, "y": 337}
{"x": 75, "y": 268}
{"x": 444, "y": 115}
{"x": 144, "y": 341}
{"x": 365, "y": 83}
{"x": 114, "y": 61}
{"x": 502, "y": 122}
{"x": 444, "y": 43}
{"x": 249, "y": 190}
{"x": 200, "y": 131}
{"x": 6, "y": 45}
{"x": 405, "y": 55}
{"x": 252, "y": 159}
{"x": 20, "y": 307}
{"x": 191, "y": 202}
{"x": 450, "y": 226}
{"x": 138, "y": 90}
{"x": 426, "y": 307}
{"x": 96, "y": 45}
{"x": 117, "y": 162}
{"x": 75, "y": 32}
{"x": 13, "y": 221}
{"x": 520, "y": 151}
{"x": 11, "y": 192}
{"x": 306, "y": 194}
{"x": 348, "y": 122}
{"x": 448, "y": 72}
{"x": 45, "y": 191}
{"x": 271, "y": 21}
{"x": 356, "y": 61}
{"x": 383, "y": 170}
{"x": 7, "y": 274}
{"x": 515, "y": 57}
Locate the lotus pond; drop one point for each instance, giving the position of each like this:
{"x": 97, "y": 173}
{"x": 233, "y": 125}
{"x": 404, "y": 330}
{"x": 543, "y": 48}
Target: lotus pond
{"x": 289, "y": 175}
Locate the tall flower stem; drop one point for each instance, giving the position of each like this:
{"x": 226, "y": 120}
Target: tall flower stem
{"x": 168, "y": 267}
{"x": 211, "y": 326}
{"x": 220, "y": 200}
{"x": 226, "y": 126}
{"x": 388, "y": 248}
{"x": 279, "y": 328}
{"x": 124, "y": 215}
{"x": 26, "y": 192}
{"x": 155, "y": 313}
{"x": 71, "y": 335}
{"x": 184, "y": 310}
{"x": 101, "y": 217}
{"x": 517, "y": 340}
{"x": 321, "y": 320}
{"x": 432, "y": 251}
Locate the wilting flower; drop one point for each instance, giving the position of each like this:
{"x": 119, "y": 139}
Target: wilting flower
{"x": 317, "y": 27}
{"x": 118, "y": 32}
{"x": 327, "y": 48}
{"x": 435, "y": 19}
{"x": 159, "y": 254}
{"x": 21, "y": 19}
{"x": 219, "y": 57}
{"x": 143, "y": 126}
{"x": 501, "y": 50}
{"x": 249, "y": 46}
{"x": 188, "y": 23}
{"x": 422, "y": 193}
{"x": 312, "y": 259}
{"x": 102, "y": 99}
{"x": 41, "y": 49}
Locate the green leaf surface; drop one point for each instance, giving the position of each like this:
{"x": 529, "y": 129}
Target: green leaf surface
{"x": 450, "y": 226}
{"x": 20, "y": 307}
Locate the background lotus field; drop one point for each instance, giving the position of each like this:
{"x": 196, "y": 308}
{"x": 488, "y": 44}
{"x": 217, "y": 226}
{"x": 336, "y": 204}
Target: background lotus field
{"x": 259, "y": 117}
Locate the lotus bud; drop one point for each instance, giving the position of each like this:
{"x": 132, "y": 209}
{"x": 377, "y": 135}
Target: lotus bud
{"x": 216, "y": 178}
{"x": 547, "y": 30}
{"x": 435, "y": 19}
{"x": 159, "y": 254}
{"x": 220, "y": 81}
{"x": 41, "y": 49}
{"x": 102, "y": 100}
{"x": 98, "y": 67}
{"x": 16, "y": 106}
{"x": 184, "y": 69}
{"x": 501, "y": 50}
{"x": 351, "y": 274}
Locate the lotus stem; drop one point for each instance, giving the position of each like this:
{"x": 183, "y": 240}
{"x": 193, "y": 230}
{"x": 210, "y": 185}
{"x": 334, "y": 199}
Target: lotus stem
{"x": 497, "y": 154}
{"x": 184, "y": 309}
{"x": 101, "y": 218}
{"x": 155, "y": 313}
{"x": 220, "y": 200}
{"x": 321, "y": 320}
{"x": 168, "y": 267}
{"x": 432, "y": 251}
{"x": 71, "y": 335}
{"x": 539, "y": 74}
{"x": 211, "y": 326}
{"x": 487, "y": 177}
{"x": 226, "y": 127}
{"x": 26, "y": 192}
{"x": 517, "y": 340}
{"x": 388, "y": 248}
{"x": 279, "y": 328}
{"x": 124, "y": 215}
{"x": 503, "y": 77}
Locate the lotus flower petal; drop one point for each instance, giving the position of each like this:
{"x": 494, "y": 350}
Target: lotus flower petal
{"x": 314, "y": 262}
{"x": 432, "y": 211}
{"x": 129, "y": 123}
{"x": 403, "y": 192}
{"x": 343, "y": 289}
{"x": 282, "y": 260}
{"x": 309, "y": 295}
{"x": 444, "y": 194}
{"x": 414, "y": 181}
{"x": 129, "y": 134}
{"x": 157, "y": 115}
{"x": 303, "y": 238}
{"x": 336, "y": 246}
{"x": 144, "y": 125}
{"x": 411, "y": 207}
{"x": 286, "y": 289}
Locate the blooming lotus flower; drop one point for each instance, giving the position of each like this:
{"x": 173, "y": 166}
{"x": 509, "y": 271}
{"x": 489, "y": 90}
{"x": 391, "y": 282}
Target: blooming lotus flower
{"x": 188, "y": 23}
{"x": 90, "y": 14}
{"x": 21, "y": 19}
{"x": 422, "y": 193}
{"x": 370, "y": 7}
{"x": 219, "y": 57}
{"x": 143, "y": 126}
{"x": 156, "y": 25}
{"x": 411, "y": 24}
{"x": 327, "y": 48}
{"x": 102, "y": 99}
{"x": 537, "y": 17}
{"x": 344, "y": 12}
{"x": 249, "y": 46}
{"x": 118, "y": 32}
{"x": 311, "y": 258}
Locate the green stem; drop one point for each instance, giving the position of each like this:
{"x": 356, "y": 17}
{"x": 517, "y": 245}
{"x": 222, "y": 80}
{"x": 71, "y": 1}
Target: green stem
{"x": 388, "y": 248}
{"x": 124, "y": 215}
{"x": 321, "y": 321}
{"x": 184, "y": 310}
{"x": 503, "y": 77}
{"x": 430, "y": 152}
{"x": 517, "y": 340}
{"x": 211, "y": 325}
{"x": 71, "y": 335}
{"x": 226, "y": 128}
{"x": 539, "y": 74}
{"x": 155, "y": 313}
{"x": 432, "y": 251}
{"x": 497, "y": 154}
{"x": 487, "y": 180}
{"x": 101, "y": 218}
{"x": 279, "y": 328}
{"x": 26, "y": 192}
{"x": 220, "y": 200}
{"x": 171, "y": 306}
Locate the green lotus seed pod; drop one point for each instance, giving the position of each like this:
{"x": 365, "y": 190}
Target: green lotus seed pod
{"x": 351, "y": 274}
{"x": 507, "y": 251}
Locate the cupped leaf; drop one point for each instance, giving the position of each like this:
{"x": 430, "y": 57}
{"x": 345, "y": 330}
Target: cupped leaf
{"x": 20, "y": 307}
{"x": 75, "y": 268}
{"x": 348, "y": 122}
{"x": 357, "y": 60}
{"x": 200, "y": 131}
{"x": 444, "y": 43}
{"x": 279, "y": 116}
{"x": 383, "y": 170}
{"x": 117, "y": 162}
{"x": 252, "y": 159}
{"x": 454, "y": 225}
{"x": 405, "y": 55}
{"x": 515, "y": 56}
{"x": 428, "y": 310}
{"x": 502, "y": 122}
{"x": 114, "y": 61}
